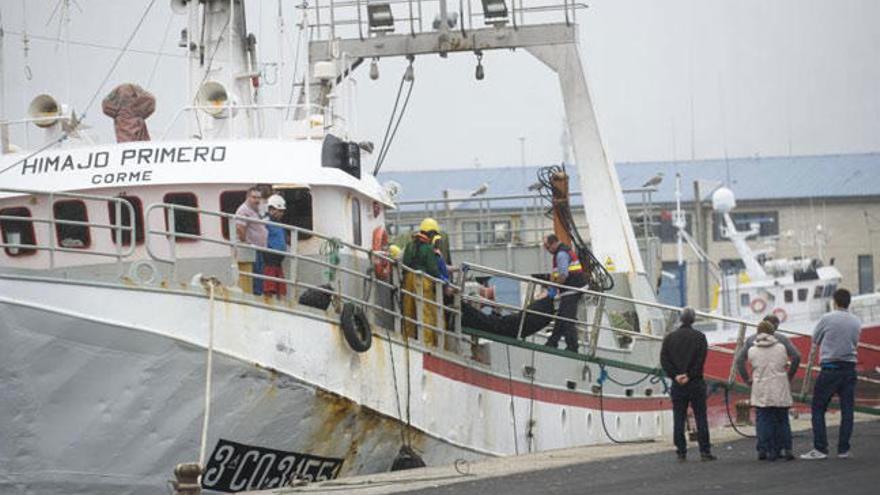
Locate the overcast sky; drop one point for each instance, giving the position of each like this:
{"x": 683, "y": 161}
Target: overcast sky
{"x": 669, "y": 78}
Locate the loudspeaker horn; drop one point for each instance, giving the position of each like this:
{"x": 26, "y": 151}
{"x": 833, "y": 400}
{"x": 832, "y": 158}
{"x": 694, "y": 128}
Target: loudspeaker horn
{"x": 179, "y": 6}
{"x": 46, "y": 110}
{"x": 215, "y": 100}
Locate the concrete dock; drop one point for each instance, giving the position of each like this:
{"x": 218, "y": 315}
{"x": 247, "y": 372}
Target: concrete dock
{"x": 640, "y": 469}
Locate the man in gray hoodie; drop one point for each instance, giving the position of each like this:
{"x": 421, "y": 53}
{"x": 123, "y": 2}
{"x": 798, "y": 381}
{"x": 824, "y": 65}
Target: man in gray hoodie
{"x": 794, "y": 358}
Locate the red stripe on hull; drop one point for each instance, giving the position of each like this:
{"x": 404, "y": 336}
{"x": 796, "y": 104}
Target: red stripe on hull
{"x": 718, "y": 363}
{"x": 460, "y": 373}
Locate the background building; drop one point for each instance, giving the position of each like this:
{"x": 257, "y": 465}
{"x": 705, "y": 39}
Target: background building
{"x": 808, "y": 206}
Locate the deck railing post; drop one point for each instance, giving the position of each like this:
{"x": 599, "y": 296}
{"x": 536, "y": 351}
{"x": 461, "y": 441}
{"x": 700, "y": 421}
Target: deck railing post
{"x": 51, "y": 232}
{"x": 808, "y": 375}
{"x": 530, "y": 293}
{"x": 294, "y": 266}
{"x": 595, "y": 327}
{"x": 740, "y": 341}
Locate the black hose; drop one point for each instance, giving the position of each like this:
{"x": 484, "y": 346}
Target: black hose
{"x": 730, "y": 418}
{"x": 600, "y": 278}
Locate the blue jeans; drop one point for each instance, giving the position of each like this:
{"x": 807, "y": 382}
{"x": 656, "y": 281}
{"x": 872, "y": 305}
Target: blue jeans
{"x": 770, "y": 423}
{"x": 694, "y": 393}
{"x": 839, "y": 379}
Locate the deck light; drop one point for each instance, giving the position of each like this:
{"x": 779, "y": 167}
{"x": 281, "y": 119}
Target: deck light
{"x": 495, "y": 12}
{"x": 374, "y": 69}
{"x": 480, "y": 72}
{"x": 380, "y": 18}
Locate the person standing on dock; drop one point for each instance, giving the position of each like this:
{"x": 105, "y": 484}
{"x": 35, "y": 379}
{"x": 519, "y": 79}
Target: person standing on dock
{"x": 771, "y": 393}
{"x": 794, "y": 358}
{"x": 682, "y": 357}
{"x": 567, "y": 270}
{"x": 837, "y": 336}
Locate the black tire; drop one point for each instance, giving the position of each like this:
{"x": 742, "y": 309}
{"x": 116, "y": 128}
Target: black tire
{"x": 356, "y": 328}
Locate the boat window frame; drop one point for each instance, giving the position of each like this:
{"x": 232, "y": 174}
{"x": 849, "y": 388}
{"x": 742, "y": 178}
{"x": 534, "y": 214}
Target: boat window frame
{"x": 357, "y": 237}
{"x": 4, "y": 234}
{"x": 224, "y": 222}
{"x": 198, "y": 217}
{"x": 139, "y": 233}
{"x": 87, "y": 241}
{"x": 803, "y": 294}
{"x": 788, "y": 296}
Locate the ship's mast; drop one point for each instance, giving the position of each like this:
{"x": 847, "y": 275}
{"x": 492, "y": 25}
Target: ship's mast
{"x": 377, "y": 30}
{"x": 220, "y": 69}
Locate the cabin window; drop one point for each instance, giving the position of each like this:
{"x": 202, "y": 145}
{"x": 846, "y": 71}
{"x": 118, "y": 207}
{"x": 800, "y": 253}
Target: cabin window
{"x": 829, "y": 290}
{"x": 789, "y": 296}
{"x": 185, "y": 222}
{"x": 470, "y": 234}
{"x": 744, "y": 299}
{"x": 229, "y": 203}
{"x": 356, "y": 221}
{"x": 803, "y": 294}
{"x": 17, "y": 231}
{"x": 126, "y": 220}
{"x": 817, "y": 294}
{"x": 67, "y": 235}
{"x": 299, "y": 209}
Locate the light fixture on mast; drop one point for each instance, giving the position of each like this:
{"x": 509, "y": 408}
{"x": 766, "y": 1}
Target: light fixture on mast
{"x": 495, "y": 12}
{"x": 380, "y": 18}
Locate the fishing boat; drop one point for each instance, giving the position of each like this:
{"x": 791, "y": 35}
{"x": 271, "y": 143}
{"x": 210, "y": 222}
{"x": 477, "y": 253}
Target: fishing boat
{"x": 133, "y": 336}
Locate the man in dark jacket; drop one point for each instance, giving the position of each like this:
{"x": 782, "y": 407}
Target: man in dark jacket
{"x": 682, "y": 356}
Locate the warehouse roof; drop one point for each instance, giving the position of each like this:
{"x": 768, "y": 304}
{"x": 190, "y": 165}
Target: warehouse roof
{"x": 759, "y": 178}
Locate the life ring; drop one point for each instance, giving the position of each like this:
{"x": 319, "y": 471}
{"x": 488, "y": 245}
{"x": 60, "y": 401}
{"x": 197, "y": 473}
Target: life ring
{"x": 781, "y": 314}
{"x": 143, "y": 272}
{"x": 356, "y": 328}
{"x": 758, "y": 305}
{"x": 381, "y": 266}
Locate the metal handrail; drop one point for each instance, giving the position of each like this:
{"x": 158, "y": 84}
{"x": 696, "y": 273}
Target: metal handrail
{"x": 172, "y": 236}
{"x": 51, "y": 223}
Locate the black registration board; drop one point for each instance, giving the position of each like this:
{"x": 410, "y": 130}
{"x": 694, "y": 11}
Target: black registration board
{"x": 235, "y": 467}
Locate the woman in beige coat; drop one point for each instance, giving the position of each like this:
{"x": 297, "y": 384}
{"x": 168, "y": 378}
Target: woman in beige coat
{"x": 771, "y": 393}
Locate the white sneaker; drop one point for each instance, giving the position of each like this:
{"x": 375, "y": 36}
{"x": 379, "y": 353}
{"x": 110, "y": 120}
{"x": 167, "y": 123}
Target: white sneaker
{"x": 843, "y": 455}
{"x": 814, "y": 455}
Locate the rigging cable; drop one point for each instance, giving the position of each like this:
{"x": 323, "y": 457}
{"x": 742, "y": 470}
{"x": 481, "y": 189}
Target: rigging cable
{"x": 389, "y": 133}
{"x": 116, "y": 62}
{"x": 159, "y": 51}
{"x": 77, "y": 122}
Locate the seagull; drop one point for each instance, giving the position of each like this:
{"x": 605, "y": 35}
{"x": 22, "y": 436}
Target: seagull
{"x": 654, "y": 181}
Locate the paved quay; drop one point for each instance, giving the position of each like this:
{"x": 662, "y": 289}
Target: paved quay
{"x": 640, "y": 469}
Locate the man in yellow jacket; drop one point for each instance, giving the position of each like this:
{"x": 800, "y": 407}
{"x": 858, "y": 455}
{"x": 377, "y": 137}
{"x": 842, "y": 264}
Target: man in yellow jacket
{"x": 419, "y": 255}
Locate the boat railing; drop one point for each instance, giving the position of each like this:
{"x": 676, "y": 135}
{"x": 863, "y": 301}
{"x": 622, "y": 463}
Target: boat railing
{"x": 413, "y": 301}
{"x": 604, "y": 319}
{"x": 121, "y": 229}
{"x": 331, "y": 19}
{"x": 471, "y": 221}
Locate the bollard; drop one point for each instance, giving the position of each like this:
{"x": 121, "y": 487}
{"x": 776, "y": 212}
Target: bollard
{"x": 187, "y": 482}
{"x": 743, "y": 412}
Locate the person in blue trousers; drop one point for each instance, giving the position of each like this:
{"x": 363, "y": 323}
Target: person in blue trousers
{"x": 837, "y": 336}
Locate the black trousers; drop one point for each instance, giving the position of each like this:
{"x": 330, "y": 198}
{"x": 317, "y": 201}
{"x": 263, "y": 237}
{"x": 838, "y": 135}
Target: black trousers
{"x": 568, "y": 305}
{"x": 693, "y": 394}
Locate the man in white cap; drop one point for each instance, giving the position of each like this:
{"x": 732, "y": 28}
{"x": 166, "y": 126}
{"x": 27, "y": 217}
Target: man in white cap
{"x": 276, "y": 240}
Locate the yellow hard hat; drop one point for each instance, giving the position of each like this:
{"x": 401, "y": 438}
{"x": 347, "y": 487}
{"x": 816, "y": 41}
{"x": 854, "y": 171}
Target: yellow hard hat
{"x": 429, "y": 225}
{"x": 394, "y": 251}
